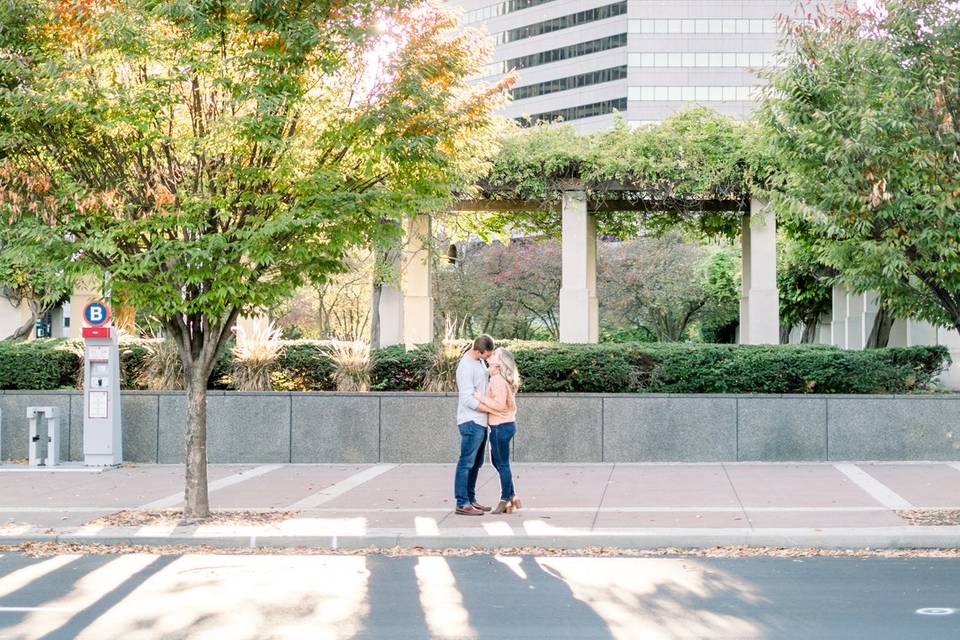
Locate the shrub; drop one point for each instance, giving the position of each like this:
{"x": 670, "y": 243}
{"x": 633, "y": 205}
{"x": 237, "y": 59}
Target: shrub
{"x": 549, "y": 367}
{"x": 396, "y": 369}
{"x": 303, "y": 365}
{"x": 38, "y": 364}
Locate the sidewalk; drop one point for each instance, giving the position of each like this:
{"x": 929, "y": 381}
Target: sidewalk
{"x": 840, "y": 505}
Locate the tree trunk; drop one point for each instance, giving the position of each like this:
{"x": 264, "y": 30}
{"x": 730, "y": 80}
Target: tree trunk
{"x": 785, "y": 334}
{"x": 880, "y": 333}
{"x": 809, "y": 333}
{"x": 23, "y": 332}
{"x": 199, "y": 342}
{"x": 196, "y": 499}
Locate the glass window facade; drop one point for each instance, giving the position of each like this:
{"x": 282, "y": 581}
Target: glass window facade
{"x": 499, "y": 9}
{"x": 570, "y": 82}
{"x": 564, "y": 53}
{"x": 563, "y": 22}
{"x": 576, "y": 113}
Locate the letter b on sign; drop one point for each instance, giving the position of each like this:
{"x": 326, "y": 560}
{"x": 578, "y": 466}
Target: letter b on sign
{"x": 96, "y": 314}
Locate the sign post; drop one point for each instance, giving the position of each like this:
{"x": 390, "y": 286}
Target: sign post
{"x": 102, "y": 439}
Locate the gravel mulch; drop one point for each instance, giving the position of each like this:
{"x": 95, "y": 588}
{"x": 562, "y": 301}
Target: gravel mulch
{"x": 145, "y": 518}
{"x": 43, "y": 549}
{"x": 931, "y": 517}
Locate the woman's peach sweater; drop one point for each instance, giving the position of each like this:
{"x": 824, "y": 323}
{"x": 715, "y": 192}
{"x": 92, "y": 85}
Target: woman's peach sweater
{"x": 500, "y": 398}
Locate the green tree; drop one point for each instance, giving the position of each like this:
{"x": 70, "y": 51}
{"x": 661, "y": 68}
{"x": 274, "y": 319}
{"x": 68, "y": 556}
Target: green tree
{"x": 863, "y": 118}
{"x": 657, "y": 283}
{"x": 805, "y": 286}
{"x": 721, "y": 314}
{"x": 215, "y": 155}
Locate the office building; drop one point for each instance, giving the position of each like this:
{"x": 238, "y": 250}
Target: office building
{"x": 582, "y": 61}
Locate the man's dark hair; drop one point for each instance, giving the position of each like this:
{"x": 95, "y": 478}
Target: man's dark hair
{"x": 483, "y": 343}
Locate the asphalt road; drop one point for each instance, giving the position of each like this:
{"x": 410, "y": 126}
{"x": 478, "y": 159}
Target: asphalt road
{"x": 286, "y": 596}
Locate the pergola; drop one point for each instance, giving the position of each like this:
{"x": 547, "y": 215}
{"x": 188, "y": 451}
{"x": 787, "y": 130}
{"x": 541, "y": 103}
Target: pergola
{"x": 406, "y": 310}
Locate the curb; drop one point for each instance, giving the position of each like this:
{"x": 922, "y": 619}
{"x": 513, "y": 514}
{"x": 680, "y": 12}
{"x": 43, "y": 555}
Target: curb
{"x": 933, "y": 537}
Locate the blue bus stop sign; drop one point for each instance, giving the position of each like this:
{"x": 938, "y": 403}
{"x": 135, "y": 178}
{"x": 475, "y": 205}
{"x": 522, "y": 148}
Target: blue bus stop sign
{"x": 96, "y": 314}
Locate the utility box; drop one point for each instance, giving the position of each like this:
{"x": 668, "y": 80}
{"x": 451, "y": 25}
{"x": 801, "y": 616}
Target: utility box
{"x": 102, "y": 435}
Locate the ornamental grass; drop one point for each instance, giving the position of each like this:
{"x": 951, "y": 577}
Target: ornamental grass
{"x": 351, "y": 364}
{"x": 442, "y": 374}
{"x": 255, "y": 356}
{"x": 161, "y": 366}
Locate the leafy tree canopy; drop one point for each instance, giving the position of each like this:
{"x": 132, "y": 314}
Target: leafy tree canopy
{"x": 214, "y": 155}
{"x": 863, "y": 118}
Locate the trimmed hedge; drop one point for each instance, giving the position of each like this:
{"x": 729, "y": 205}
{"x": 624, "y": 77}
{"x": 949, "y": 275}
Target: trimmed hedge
{"x": 550, "y": 367}
{"x": 38, "y": 364}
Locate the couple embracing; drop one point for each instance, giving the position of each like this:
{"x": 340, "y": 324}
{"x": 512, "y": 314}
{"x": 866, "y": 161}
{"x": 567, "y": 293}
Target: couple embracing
{"x": 487, "y": 383}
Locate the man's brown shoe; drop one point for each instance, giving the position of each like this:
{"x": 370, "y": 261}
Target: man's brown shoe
{"x": 477, "y": 505}
{"x": 469, "y": 510}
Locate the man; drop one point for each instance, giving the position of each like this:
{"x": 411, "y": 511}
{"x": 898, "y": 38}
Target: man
{"x": 471, "y": 377}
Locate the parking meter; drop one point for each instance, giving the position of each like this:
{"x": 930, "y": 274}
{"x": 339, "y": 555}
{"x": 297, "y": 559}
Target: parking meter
{"x": 102, "y": 437}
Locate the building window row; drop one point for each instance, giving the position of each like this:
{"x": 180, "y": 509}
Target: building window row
{"x": 694, "y": 94}
{"x": 563, "y": 22}
{"x": 709, "y": 25}
{"x": 570, "y": 82}
{"x": 499, "y": 9}
{"x": 564, "y": 53}
{"x": 724, "y": 59}
{"x": 576, "y": 113}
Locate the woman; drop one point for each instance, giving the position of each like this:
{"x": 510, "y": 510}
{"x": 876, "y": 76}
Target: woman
{"x": 500, "y": 403}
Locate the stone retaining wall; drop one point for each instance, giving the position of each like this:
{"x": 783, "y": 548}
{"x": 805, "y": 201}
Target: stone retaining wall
{"x": 418, "y": 427}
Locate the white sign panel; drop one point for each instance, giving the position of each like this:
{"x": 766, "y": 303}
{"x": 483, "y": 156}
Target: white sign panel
{"x": 98, "y": 353}
{"x": 97, "y": 402}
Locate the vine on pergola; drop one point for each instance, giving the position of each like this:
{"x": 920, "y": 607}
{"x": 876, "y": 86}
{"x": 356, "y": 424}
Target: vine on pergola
{"x": 695, "y": 170}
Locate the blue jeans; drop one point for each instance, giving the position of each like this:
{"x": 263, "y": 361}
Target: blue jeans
{"x": 500, "y": 437}
{"x": 473, "y": 441}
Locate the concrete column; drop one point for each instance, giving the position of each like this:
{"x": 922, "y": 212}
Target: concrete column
{"x": 760, "y": 305}
{"x": 838, "y": 314}
{"x": 745, "y": 253}
{"x": 855, "y": 337}
{"x": 579, "y": 312}
{"x": 920, "y": 333}
{"x": 898, "y": 333}
{"x": 83, "y": 293}
{"x": 391, "y": 307}
{"x": 825, "y": 329}
{"x": 415, "y": 282}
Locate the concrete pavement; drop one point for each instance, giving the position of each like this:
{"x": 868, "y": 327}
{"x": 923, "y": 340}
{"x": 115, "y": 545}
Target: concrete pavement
{"x": 565, "y": 505}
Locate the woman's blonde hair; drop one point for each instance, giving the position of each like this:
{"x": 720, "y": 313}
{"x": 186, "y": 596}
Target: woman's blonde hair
{"x": 508, "y": 368}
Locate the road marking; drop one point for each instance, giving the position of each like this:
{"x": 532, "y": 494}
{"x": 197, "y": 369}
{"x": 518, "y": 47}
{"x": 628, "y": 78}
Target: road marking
{"x": 177, "y": 498}
{"x": 955, "y": 465}
{"x": 936, "y": 611}
{"x": 29, "y": 609}
{"x": 426, "y": 526}
{"x": 338, "y": 489}
{"x": 876, "y": 489}
{"x": 499, "y": 528}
